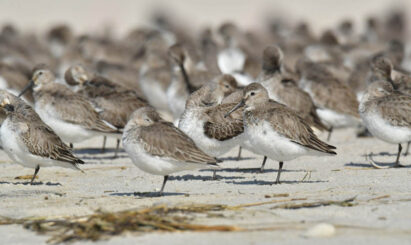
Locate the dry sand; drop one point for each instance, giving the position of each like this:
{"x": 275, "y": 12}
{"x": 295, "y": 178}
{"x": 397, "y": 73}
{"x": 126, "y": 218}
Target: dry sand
{"x": 383, "y": 197}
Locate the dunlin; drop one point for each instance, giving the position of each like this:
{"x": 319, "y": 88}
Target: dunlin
{"x": 114, "y": 102}
{"x": 187, "y": 78}
{"x": 387, "y": 115}
{"x": 28, "y": 141}
{"x": 336, "y": 103}
{"x": 285, "y": 90}
{"x": 159, "y": 148}
{"x": 70, "y": 115}
{"x": 275, "y": 130}
{"x": 203, "y": 119}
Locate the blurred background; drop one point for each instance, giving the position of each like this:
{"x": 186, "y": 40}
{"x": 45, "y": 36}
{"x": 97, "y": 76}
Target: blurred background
{"x": 121, "y": 15}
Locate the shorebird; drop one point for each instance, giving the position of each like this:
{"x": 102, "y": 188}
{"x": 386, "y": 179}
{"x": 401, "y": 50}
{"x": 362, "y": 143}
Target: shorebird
{"x": 387, "y": 115}
{"x": 232, "y": 58}
{"x": 275, "y": 130}
{"x": 187, "y": 78}
{"x": 28, "y": 141}
{"x": 284, "y": 90}
{"x": 336, "y": 103}
{"x": 70, "y": 115}
{"x": 159, "y": 148}
{"x": 13, "y": 80}
{"x": 203, "y": 119}
{"x": 155, "y": 76}
{"x": 114, "y": 102}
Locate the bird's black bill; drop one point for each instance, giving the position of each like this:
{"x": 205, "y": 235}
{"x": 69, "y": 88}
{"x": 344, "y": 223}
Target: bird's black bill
{"x": 241, "y": 104}
{"x": 25, "y": 89}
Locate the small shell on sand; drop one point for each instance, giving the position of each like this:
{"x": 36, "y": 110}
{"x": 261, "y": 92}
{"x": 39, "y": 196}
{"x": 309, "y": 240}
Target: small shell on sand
{"x": 320, "y": 230}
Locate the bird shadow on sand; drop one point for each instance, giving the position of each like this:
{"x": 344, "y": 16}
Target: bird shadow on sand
{"x": 202, "y": 178}
{"x": 263, "y": 182}
{"x": 28, "y": 183}
{"x": 88, "y": 157}
{"x": 235, "y": 159}
{"x": 94, "y": 151}
{"x": 368, "y": 165}
{"x": 97, "y": 151}
{"x": 383, "y": 153}
{"x": 146, "y": 194}
{"x": 252, "y": 170}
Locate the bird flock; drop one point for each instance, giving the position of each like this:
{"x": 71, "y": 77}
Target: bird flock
{"x": 177, "y": 99}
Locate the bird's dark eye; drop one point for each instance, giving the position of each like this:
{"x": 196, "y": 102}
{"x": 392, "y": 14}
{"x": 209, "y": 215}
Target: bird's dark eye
{"x": 252, "y": 93}
{"x": 226, "y": 86}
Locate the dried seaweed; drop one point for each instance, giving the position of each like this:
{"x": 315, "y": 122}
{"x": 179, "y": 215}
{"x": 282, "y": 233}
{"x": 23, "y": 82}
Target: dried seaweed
{"x": 103, "y": 225}
{"x": 26, "y": 177}
{"x": 345, "y": 203}
{"x": 160, "y": 218}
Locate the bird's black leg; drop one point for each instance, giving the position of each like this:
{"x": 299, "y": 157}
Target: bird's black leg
{"x": 239, "y": 153}
{"x": 164, "y": 184}
{"x": 397, "y": 161}
{"x": 408, "y": 148}
{"x": 329, "y": 134}
{"x": 263, "y": 164}
{"x": 117, "y": 147}
{"x": 35, "y": 174}
{"x": 103, "y": 149}
{"x": 214, "y": 174}
{"x": 280, "y": 167}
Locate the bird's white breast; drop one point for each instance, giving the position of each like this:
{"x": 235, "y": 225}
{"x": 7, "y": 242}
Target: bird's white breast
{"x": 231, "y": 60}
{"x": 383, "y": 130}
{"x": 19, "y": 153}
{"x": 266, "y": 141}
{"x": 192, "y": 125}
{"x": 68, "y": 132}
{"x": 154, "y": 164}
{"x": 335, "y": 119}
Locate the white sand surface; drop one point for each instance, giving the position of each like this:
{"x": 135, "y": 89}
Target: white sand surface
{"x": 381, "y": 215}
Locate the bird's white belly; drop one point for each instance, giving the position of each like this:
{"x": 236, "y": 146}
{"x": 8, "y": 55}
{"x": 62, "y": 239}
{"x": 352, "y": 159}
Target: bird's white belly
{"x": 231, "y": 60}
{"x": 194, "y": 128}
{"x": 68, "y": 132}
{"x": 265, "y": 141}
{"x": 154, "y": 93}
{"x": 154, "y": 164}
{"x": 19, "y": 153}
{"x": 335, "y": 119}
{"x": 242, "y": 79}
{"x": 4, "y": 85}
{"x": 384, "y": 131}
{"x": 176, "y": 101}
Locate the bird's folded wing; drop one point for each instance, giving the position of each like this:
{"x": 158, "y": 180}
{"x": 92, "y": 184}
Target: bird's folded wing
{"x": 396, "y": 110}
{"x": 41, "y": 140}
{"x": 164, "y": 140}
{"x": 223, "y": 128}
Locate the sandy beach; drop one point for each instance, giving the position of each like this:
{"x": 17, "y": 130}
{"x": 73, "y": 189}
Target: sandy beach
{"x": 353, "y": 202}
{"x": 379, "y": 214}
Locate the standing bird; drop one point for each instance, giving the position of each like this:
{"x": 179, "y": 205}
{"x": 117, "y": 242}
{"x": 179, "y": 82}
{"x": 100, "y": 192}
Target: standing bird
{"x": 28, "y": 141}
{"x": 336, "y": 103}
{"x": 203, "y": 119}
{"x": 387, "y": 115}
{"x": 157, "y": 147}
{"x": 69, "y": 114}
{"x": 275, "y": 130}
{"x": 283, "y": 89}
{"x": 188, "y": 76}
{"x": 114, "y": 102}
